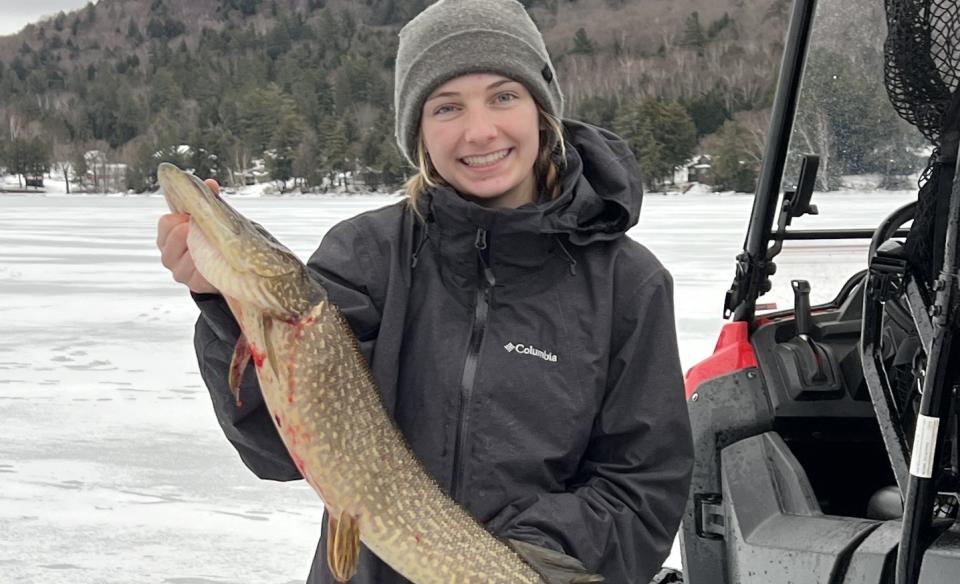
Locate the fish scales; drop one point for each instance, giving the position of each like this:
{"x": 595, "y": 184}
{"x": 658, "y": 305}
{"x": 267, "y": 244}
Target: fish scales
{"x": 419, "y": 531}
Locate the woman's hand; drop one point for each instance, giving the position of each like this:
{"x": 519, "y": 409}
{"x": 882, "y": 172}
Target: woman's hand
{"x": 172, "y": 232}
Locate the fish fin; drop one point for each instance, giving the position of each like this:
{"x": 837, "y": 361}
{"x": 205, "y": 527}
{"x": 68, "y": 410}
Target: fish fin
{"x": 554, "y": 567}
{"x": 343, "y": 546}
{"x": 238, "y": 364}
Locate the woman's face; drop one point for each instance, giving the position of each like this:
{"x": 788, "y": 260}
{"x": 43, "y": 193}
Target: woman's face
{"x": 482, "y": 134}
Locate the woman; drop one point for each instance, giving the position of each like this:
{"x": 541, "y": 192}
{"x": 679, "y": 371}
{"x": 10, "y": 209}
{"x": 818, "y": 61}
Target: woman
{"x": 524, "y": 345}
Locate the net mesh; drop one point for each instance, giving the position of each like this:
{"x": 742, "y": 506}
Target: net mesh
{"x": 922, "y": 74}
{"x": 922, "y": 57}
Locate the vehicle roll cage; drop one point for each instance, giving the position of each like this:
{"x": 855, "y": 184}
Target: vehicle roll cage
{"x": 923, "y": 476}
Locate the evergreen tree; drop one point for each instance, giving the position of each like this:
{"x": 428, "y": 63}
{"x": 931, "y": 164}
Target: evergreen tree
{"x": 599, "y": 110}
{"x": 719, "y": 25}
{"x": 284, "y": 143}
{"x": 336, "y": 149}
{"x": 693, "y": 32}
{"x": 133, "y": 32}
{"x": 209, "y": 147}
{"x": 661, "y": 135}
{"x": 582, "y": 45}
{"x": 164, "y": 92}
{"x": 39, "y": 156}
{"x": 393, "y": 166}
{"x": 258, "y": 115}
{"x": 732, "y": 165}
{"x": 249, "y": 7}
{"x": 308, "y": 162}
{"x": 708, "y": 111}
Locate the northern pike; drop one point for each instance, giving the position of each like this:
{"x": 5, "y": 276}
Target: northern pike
{"x": 327, "y": 409}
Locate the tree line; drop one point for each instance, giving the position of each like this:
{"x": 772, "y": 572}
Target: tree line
{"x": 305, "y": 100}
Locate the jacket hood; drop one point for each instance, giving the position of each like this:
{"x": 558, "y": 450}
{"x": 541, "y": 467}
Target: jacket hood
{"x": 601, "y": 194}
{"x": 602, "y": 186}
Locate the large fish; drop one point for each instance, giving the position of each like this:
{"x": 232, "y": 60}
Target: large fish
{"x": 327, "y": 409}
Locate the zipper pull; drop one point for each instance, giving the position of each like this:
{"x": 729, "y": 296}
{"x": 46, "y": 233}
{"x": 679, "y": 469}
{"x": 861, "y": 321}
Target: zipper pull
{"x": 481, "y": 244}
{"x": 481, "y": 241}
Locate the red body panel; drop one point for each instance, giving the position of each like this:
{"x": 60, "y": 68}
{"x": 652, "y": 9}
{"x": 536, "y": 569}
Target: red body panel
{"x": 732, "y": 353}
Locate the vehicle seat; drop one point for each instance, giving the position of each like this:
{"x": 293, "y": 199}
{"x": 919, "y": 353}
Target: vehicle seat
{"x": 885, "y": 504}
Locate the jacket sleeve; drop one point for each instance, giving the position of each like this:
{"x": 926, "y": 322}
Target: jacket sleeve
{"x": 339, "y": 263}
{"x": 622, "y": 513}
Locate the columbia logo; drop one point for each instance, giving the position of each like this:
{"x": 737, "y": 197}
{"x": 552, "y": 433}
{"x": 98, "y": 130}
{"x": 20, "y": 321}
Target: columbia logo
{"x": 530, "y": 350}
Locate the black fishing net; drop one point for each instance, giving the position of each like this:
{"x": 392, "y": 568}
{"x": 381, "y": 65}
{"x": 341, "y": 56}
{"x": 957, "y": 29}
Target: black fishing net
{"x": 922, "y": 73}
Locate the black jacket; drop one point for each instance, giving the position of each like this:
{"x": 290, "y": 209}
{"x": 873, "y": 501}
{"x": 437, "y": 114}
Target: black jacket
{"x": 529, "y": 356}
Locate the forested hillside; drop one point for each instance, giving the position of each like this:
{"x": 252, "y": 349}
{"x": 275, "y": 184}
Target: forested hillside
{"x": 306, "y": 85}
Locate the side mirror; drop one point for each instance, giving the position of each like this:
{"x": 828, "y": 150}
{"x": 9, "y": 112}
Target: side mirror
{"x": 797, "y": 202}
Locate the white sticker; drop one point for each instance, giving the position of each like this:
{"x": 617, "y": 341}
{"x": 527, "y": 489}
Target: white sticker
{"x": 924, "y": 446}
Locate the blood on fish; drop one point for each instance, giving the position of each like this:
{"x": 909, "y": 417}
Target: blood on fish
{"x": 292, "y": 433}
{"x": 258, "y": 357}
{"x": 301, "y": 464}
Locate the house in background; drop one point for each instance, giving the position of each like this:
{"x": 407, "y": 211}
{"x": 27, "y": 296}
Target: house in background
{"x": 695, "y": 170}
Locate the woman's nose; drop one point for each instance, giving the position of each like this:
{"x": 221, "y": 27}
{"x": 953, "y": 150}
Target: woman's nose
{"x": 480, "y": 128}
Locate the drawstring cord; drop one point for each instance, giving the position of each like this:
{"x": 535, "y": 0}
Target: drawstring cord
{"x": 573, "y": 262}
{"x": 415, "y": 258}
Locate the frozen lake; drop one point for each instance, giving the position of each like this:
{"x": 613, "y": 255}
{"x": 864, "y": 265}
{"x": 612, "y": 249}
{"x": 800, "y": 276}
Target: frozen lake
{"x": 112, "y": 466}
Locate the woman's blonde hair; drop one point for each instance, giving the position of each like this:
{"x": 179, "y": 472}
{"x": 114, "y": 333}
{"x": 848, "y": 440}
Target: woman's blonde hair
{"x": 546, "y": 168}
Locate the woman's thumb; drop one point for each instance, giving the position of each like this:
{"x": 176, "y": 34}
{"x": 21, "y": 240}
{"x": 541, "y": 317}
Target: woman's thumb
{"x": 214, "y": 185}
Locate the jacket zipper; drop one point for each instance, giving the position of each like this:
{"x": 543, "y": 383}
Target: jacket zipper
{"x": 477, "y": 330}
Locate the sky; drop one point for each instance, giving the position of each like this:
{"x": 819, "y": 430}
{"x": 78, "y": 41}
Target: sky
{"x": 16, "y": 14}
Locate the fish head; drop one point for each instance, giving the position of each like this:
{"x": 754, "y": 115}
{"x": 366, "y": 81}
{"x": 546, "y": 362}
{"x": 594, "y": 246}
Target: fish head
{"x": 237, "y": 256}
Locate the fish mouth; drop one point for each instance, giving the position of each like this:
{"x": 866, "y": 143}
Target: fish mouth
{"x": 185, "y": 193}
{"x": 234, "y": 254}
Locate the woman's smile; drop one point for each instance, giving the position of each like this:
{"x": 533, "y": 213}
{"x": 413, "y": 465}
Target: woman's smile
{"x": 486, "y": 161}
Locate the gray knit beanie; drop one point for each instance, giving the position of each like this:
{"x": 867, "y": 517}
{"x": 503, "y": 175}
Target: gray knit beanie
{"x": 457, "y": 37}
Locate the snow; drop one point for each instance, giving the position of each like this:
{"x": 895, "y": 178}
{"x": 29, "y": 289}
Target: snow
{"x": 112, "y": 466}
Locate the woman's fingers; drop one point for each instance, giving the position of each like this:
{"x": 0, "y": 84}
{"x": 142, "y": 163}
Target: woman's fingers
{"x": 172, "y": 231}
{"x": 173, "y": 243}
{"x": 200, "y": 285}
{"x": 166, "y": 224}
{"x": 185, "y": 272}
{"x": 214, "y": 185}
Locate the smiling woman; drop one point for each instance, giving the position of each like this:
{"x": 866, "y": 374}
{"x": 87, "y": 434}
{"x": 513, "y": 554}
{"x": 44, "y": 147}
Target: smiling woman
{"x": 523, "y": 344}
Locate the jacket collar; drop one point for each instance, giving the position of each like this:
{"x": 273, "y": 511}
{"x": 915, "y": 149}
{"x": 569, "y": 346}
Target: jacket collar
{"x": 515, "y": 243}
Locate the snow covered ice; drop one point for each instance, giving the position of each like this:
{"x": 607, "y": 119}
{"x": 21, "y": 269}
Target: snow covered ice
{"x": 112, "y": 466}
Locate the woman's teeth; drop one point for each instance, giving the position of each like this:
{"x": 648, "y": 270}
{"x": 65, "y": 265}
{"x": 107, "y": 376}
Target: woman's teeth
{"x": 485, "y": 160}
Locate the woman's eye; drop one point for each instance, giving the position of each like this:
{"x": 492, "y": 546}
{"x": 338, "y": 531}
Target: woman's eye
{"x": 443, "y": 109}
{"x": 506, "y": 97}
